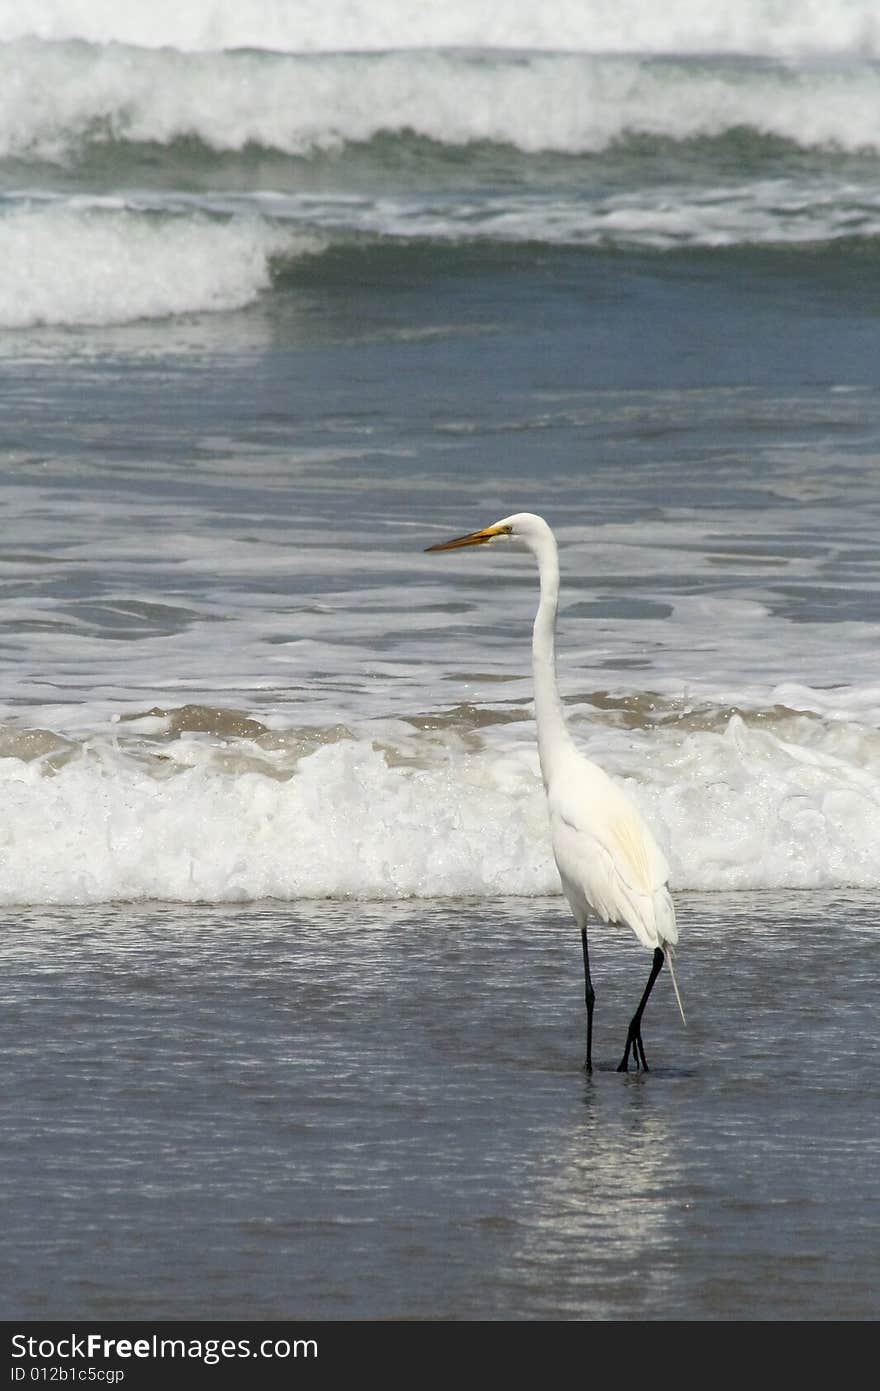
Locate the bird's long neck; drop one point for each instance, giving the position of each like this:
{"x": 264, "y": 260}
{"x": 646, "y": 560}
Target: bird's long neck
{"x": 553, "y": 736}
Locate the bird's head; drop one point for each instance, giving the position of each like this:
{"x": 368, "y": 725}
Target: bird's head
{"x": 523, "y": 527}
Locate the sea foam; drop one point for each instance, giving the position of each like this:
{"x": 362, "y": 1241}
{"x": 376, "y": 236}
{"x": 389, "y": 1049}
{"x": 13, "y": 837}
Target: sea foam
{"x": 741, "y": 807}
{"x": 58, "y": 97}
{"x": 684, "y": 26}
{"x": 62, "y": 264}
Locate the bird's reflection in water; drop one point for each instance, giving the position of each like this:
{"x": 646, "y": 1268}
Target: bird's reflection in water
{"x": 598, "y": 1225}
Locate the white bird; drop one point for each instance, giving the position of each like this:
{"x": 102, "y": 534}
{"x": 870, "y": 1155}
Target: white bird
{"x": 608, "y": 860}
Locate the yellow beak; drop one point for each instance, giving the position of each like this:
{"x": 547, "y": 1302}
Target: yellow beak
{"x": 473, "y": 538}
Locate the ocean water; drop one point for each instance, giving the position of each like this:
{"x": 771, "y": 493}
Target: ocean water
{"x": 286, "y": 295}
{"x": 376, "y": 1111}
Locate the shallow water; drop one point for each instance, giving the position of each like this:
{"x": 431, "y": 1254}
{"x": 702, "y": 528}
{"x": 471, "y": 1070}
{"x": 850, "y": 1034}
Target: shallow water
{"x": 378, "y": 1111}
{"x": 291, "y": 1026}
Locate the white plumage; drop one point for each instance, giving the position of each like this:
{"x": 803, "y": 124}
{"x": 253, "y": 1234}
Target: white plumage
{"x": 609, "y": 862}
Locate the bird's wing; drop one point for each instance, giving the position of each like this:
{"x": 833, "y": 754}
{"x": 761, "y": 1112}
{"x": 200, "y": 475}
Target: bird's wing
{"x": 639, "y": 857}
{"x": 603, "y": 846}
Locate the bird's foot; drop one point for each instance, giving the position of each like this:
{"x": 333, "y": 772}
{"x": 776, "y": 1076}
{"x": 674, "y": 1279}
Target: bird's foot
{"x": 634, "y": 1043}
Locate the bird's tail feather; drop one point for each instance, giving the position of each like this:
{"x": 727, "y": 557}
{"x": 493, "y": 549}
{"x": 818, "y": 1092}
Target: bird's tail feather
{"x": 668, "y": 953}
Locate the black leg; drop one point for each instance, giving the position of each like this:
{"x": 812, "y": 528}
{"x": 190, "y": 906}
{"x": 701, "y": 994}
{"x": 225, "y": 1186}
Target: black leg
{"x": 634, "y": 1034}
{"x": 589, "y": 997}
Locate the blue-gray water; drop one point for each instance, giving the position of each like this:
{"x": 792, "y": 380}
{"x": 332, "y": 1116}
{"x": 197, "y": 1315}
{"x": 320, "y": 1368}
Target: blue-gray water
{"x": 378, "y": 1112}
{"x": 290, "y": 1009}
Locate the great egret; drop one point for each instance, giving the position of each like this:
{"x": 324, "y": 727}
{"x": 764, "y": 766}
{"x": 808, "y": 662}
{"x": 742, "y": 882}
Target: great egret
{"x": 608, "y": 860}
